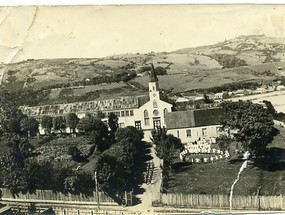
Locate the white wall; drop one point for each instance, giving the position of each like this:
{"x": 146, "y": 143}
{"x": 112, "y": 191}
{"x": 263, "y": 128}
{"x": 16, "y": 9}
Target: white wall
{"x": 196, "y": 133}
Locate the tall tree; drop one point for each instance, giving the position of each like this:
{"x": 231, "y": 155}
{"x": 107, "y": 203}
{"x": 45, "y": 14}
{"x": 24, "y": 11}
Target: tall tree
{"x": 86, "y": 124}
{"x": 224, "y": 142}
{"x": 109, "y": 174}
{"x": 252, "y": 123}
{"x": 29, "y": 125}
{"x": 46, "y": 123}
{"x": 165, "y": 145}
{"x": 72, "y": 121}
{"x": 59, "y": 123}
{"x": 129, "y": 133}
{"x": 113, "y": 122}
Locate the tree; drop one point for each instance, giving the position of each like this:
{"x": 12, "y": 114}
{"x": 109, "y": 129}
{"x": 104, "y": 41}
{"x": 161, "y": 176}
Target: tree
{"x": 13, "y": 173}
{"x": 113, "y": 122}
{"x": 109, "y": 174}
{"x": 29, "y": 125}
{"x": 72, "y": 121}
{"x": 224, "y": 142}
{"x": 160, "y": 70}
{"x": 46, "y": 123}
{"x": 166, "y": 145}
{"x": 76, "y": 154}
{"x": 14, "y": 168}
{"x": 113, "y": 125}
{"x": 129, "y": 133}
{"x": 13, "y": 125}
{"x": 196, "y": 61}
{"x": 86, "y": 124}
{"x": 59, "y": 123}
{"x": 253, "y": 125}
{"x": 207, "y": 99}
{"x": 79, "y": 183}
{"x": 100, "y": 115}
{"x": 96, "y": 130}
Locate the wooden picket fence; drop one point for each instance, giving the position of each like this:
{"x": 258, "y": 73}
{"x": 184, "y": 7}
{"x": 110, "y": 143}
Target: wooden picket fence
{"x": 57, "y": 196}
{"x": 221, "y": 201}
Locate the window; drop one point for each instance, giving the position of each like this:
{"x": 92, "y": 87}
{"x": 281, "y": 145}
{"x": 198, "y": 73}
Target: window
{"x": 146, "y": 121}
{"x": 145, "y": 113}
{"x": 218, "y": 130}
{"x": 127, "y": 113}
{"x": 154, "y": 104}
{"x": 204, "y": 131}
{"x": 138, "y": 125}
{"x": 122, "y": 113}
{"x": 122, "y": 125}
{"x": 131, "y": 112}
{"x": 177, "y": 133}
{"x": 188, "y": 133}
{"x": 155, "y": 112}
{"x": 165, "y": 111}
{"x": 156, "y": 122}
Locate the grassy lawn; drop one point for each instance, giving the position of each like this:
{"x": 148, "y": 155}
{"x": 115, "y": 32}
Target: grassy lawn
{"x": 217, "y": 177}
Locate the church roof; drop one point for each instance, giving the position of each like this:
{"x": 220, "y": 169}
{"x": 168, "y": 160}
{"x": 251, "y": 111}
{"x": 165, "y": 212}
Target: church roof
{"x": 152, "y": 74}
{"x": 193, "y": 118}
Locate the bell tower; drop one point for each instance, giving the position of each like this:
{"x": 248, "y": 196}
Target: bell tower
{"x": 153, "y": 85}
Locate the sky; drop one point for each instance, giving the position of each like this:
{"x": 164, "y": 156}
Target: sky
{"x": 96, "y": 31}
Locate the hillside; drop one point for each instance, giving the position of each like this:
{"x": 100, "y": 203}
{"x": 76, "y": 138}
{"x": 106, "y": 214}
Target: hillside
{"x": 255, "y": 57}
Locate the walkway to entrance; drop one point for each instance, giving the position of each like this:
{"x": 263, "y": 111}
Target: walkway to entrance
{"x": 151, "y": 186}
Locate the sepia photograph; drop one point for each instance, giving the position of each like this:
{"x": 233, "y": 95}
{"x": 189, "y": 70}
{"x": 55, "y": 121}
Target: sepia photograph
{"x": 142, "y": 109}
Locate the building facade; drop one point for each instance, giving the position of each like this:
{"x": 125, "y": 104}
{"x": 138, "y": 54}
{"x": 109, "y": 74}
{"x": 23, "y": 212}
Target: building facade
{"x": 194, "y": 125}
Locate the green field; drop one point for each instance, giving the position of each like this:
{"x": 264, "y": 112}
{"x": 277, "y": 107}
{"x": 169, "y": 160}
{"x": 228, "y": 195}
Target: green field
{"x": 217, "y": 177}
{"x": 202, "y": 79}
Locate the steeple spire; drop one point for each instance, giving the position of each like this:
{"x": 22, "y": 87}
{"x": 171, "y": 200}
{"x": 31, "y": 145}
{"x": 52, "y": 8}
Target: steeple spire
{"x": 152, "y": 75}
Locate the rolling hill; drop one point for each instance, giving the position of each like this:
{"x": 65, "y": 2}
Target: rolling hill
{"x": 255, "y": 57}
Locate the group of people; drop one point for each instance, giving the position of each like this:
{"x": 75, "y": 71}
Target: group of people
{"x": 202, "y": 147}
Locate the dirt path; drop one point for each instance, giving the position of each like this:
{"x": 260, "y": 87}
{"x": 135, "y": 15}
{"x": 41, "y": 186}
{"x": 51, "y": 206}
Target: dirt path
{"x": 151, "y": 186}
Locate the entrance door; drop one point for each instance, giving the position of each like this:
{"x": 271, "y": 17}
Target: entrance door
{"x": 156, "y": 122}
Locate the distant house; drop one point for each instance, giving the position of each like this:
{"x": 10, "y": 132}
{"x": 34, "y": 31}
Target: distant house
{"x": 194, "y": 96}
{"x": 192, "y": 125}
{"x": 211, "y": 96}
{"x": 222, "y": 95}
{"x": 142, "y": 74}
{"x": 280, "y": 87}
{"x": 270, "y": 88}
{"x": 260, "y": 90}
{"x": 181, "y": 100}
{"x": 242, "y": 92}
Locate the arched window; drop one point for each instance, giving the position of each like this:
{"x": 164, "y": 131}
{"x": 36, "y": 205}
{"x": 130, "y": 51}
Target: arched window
{"x": 146, "y": 118}
{"x": 154, "y": 104}
{"x": 145, "y": 113}
{"x": 165, "y": 111}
